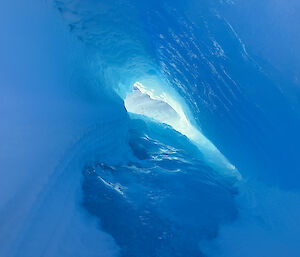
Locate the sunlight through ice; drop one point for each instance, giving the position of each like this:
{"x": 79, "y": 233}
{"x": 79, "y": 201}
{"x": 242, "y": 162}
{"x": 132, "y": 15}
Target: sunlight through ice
{"x": 165, "y": 109}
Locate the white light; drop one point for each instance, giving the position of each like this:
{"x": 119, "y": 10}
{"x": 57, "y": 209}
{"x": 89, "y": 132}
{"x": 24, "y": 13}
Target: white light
{"x": 163, "y": 108}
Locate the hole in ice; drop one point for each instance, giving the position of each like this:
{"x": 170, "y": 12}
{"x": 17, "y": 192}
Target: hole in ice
{"x": 163, "y": 108}
{"x": 164, "y": 199}
{"x": 142, "y": 101}
{"x": 160, "y": 107}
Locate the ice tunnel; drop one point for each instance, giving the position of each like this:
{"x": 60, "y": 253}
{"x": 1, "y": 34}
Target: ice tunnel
{"x": 149, "y": 128}
{"x": 164, "y": 109}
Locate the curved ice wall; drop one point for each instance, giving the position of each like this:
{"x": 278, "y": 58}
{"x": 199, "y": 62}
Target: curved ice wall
{"x": 193, "y": 48}
{"x": 66, "y": 68}
{"x": 54, "y": 118}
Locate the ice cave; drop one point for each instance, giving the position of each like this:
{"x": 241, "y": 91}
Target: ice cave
{"x": 163, "y": 128}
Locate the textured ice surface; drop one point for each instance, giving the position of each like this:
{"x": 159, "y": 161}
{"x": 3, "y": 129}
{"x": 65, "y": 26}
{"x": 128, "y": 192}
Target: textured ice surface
{"x": 164, "y": 200}
{"x": 164, "y": 109}
{"x": 80, "y": 177}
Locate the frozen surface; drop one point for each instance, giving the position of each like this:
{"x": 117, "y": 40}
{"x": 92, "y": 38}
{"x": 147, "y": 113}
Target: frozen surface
{"x": 164, "y": 109}
{"x": 49, "y": 129}
{"x": 138, "y": 128}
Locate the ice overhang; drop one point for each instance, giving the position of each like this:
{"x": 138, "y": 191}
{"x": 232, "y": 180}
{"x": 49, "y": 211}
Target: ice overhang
{"x": 163, "y": 108}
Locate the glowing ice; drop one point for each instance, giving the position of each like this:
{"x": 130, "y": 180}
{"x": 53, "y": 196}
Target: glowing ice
{"x": 163, "y": 108}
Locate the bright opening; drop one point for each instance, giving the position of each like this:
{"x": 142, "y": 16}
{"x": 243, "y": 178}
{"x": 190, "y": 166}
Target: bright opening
{"x": 163, "y": 108}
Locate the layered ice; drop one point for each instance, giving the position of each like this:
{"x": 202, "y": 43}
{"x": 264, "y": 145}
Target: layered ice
{"x": 161, "y": 107}
{"x": 139, "y": 128}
